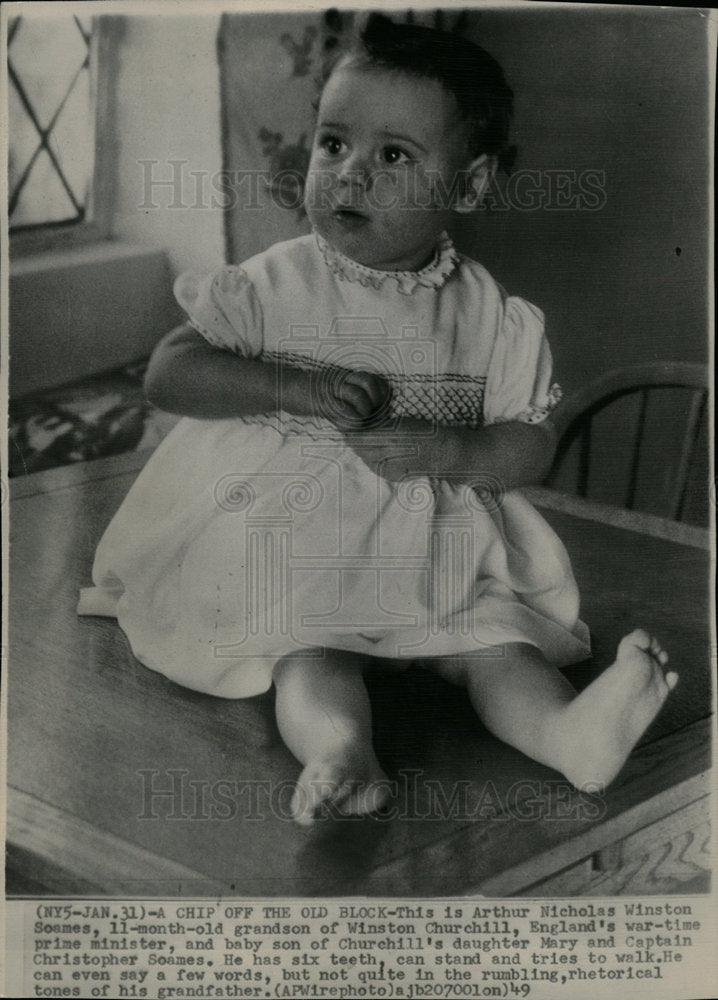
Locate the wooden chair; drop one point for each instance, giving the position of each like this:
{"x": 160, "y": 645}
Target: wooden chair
{"x": 574, "y": 421}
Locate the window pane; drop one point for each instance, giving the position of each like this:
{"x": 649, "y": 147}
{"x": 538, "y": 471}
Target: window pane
{"x": 51, "y": 119}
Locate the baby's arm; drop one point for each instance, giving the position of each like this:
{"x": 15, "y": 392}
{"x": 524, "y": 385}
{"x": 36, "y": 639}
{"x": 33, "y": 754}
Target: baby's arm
{"x": 189, "y": 376}
{"x": 513, "y": 453}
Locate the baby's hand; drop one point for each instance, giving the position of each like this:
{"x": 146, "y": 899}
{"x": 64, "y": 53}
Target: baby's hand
{"x": 358, "y": 399}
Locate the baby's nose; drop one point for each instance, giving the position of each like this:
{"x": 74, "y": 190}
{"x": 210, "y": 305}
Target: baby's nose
{"x": 357, "y": 169}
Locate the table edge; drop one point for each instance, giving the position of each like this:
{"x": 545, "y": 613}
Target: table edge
{"x": 119, "y": 867}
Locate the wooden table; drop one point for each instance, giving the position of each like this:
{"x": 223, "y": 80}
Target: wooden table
{"x": 93, "y": 734}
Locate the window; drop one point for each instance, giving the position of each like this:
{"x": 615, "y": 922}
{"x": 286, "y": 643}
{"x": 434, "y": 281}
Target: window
{"x": 58, "y": 110}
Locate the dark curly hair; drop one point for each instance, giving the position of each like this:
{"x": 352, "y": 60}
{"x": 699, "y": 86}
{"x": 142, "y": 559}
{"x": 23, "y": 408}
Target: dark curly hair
{"x": 474, "y": 77}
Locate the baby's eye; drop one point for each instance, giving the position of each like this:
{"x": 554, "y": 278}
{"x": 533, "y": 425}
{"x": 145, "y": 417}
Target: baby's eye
{"x": 331, "y": 144}
{"x": 394, "y": 154}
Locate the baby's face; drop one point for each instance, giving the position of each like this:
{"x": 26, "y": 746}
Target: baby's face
{"x": 386, "y": 165}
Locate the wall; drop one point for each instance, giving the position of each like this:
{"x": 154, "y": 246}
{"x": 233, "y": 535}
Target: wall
{"x": 86, "y": 310}
{"x": 168, "y": 109}
{"x": 80, "y": 311}
{"x": 623, "y": 91}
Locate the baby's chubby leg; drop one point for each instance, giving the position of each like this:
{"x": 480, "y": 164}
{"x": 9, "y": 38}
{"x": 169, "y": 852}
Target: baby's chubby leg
{"x": 324, "y": 716}
{"x": 529, "y": 704}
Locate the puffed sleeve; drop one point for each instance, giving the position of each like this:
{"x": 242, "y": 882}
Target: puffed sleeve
{"x": 518, "y": 381}
{"x": 224, "y": 308}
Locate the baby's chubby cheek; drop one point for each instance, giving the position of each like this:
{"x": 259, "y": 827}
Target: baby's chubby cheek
{"x": 386, "y": 192}
{"x": 410, "y": 189}
{"x": 317, "y": 190}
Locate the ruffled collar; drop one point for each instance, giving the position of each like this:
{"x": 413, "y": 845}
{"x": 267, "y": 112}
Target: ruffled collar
{"x": 434, "y": 275}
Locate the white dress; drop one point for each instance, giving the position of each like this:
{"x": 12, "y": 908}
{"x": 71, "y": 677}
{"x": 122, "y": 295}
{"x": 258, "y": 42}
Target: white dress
{"x": 248, "y": 538}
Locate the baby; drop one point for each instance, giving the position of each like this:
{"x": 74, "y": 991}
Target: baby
{"x": 362, "y": 405}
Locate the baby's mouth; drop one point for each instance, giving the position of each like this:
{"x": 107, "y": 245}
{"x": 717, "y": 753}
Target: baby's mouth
{"x": 351, "y": 218}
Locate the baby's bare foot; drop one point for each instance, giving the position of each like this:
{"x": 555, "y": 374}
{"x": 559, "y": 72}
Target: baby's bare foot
{"x": 604, "y": 722}
{"x": 351, "y": 784}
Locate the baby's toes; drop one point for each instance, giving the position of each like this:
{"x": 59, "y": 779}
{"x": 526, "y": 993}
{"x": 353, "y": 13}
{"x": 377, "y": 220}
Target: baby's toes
{"x": 639, "y": 638}
{"x": 662, "y": 682}
{"x": 302, "y": 806}
{"x": 365, "y": 798}
{"x": 318, "y": 785}
{"x": 310, "y": 792}
{"x": 657, "y": 651}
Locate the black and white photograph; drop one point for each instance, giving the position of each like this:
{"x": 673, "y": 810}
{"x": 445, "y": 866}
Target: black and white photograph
{"x": 358, "y": 499}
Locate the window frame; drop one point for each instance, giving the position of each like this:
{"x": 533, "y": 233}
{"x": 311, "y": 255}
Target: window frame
{"x": 107, "y": 32}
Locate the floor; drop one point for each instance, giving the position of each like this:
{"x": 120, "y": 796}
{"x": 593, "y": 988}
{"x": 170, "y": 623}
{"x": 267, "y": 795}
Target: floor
{"x": 102, "y": 415}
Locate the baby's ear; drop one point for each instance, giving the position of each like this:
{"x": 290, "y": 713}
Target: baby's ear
{"x": 478, "y": 177}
